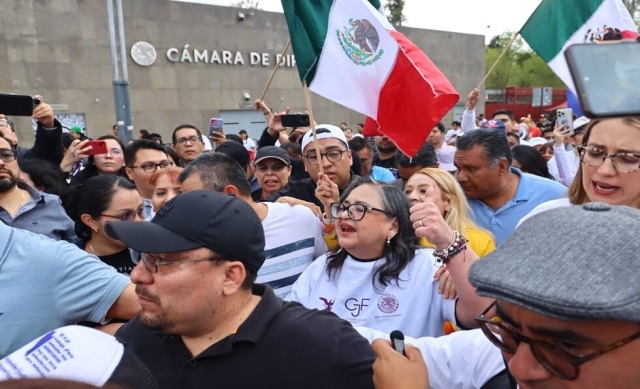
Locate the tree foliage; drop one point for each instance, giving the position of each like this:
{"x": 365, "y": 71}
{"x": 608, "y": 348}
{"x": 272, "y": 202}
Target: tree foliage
{"x": 520, "y": 66}
{"x": 634, "y": 9}
{"x": 249, "y": 4}
{"x": 395, "y": 9}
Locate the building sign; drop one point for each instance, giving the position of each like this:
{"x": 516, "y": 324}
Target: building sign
{"x": 144, "y": 54}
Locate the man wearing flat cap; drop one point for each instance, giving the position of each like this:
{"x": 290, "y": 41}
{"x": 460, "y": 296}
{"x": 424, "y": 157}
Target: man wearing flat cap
{"x": 204, "y": 323}
{"x": 567, "y": 312}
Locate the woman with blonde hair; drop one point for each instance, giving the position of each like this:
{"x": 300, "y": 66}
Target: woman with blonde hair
{"x": 453, "y": 205}
{"x": 165, "y": 186}
{"x": 609, "y": 170}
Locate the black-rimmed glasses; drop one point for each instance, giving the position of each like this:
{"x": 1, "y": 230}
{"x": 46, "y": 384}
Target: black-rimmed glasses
{"x": 192, "y": 139}
{"x": 355, "y": 211}
{"x": 332, "y": 156}
{"x": 622, "y": 162}
{"x": 8, "y": 155}
{"x": 151, "y": 262}
{"x": 553, "y": 357}
{"x": 152, "y": 167}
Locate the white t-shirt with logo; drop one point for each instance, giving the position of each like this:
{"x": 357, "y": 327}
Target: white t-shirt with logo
{"x": 293, "y": 238}
{"x": 413, "y": 306}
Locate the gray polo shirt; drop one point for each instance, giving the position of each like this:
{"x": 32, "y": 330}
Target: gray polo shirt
{"x": 43, "y": 214}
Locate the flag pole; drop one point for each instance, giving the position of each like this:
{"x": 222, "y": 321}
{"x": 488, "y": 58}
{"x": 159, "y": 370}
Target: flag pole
{"x": 498, "y": 60}
{"x": 313, "y": 124}
{"x": 275, "y": 69}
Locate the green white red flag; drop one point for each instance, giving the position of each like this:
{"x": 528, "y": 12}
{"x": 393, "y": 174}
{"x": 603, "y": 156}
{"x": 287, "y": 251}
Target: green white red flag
{"x": 348, "y": 52}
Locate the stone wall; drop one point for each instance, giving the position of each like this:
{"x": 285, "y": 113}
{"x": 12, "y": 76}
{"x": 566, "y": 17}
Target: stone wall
{"x": 61, "y": 49}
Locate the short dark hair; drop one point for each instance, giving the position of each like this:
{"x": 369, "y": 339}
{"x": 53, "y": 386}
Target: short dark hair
{"x": 512, "y": 135}
{"x": 361, "y": 125}
{"x": 11, "y": 145}
{"x": 531, "y": 161}
{"x": 234, "y": 138}
{"x": 456, "y": 123}
{"x": 144, "y": 132}
{"x": 343, "y": 123}
{"x": 425, "y": 157}
{"x": 93, "y": 197}
{"x": 44, "y": 174}
{"x": 441, "y": 127}
{"x": 114, "y": 127}
{"x": 67, "y": 139}
{"x": 242, "y": 132}
{"x": 182, "y": 127}
{"x": 216, "y": 171}
{"x": 249, "y": 279}
{"x": 357, "y": 144}
{"x": 294, "y": 147}
{"x": 507, "y": 112}
{"x": 493, "y": 142}
{"x": 140, "y": 144}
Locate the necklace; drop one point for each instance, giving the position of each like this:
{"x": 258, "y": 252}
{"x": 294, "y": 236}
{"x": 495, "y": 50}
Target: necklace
{"x": 19, "y": 204}
{"x": 91, "y": 248}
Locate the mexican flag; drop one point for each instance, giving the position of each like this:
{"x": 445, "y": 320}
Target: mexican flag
{"x": 557, "y": 24}
{"x": 348, "y": 52}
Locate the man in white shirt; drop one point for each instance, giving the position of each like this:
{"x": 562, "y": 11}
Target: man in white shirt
{"x": 247, "y": 142}
{"x": 453, "y": 133}
{"x": 293, "y": 235}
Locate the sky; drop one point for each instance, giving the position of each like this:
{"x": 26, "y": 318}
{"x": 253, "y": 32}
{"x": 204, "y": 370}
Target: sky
{"x": 486, "y": 17}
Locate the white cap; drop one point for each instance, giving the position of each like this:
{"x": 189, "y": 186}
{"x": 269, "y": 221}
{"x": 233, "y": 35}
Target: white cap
{"x": 72, "y": 353}
{"x": 581, "y": 121}
{"x": 324, "y": 131}
{"x": 537, "y": 141}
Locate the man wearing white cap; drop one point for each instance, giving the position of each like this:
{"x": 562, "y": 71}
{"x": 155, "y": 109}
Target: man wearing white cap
{"x": 322, "y": 189}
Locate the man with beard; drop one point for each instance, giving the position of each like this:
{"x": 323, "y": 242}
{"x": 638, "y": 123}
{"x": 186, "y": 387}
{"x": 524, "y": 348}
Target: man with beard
{"x": 387, "y": 154}
{"x": 203, "y": 320}
{"x": 22, "y": 206}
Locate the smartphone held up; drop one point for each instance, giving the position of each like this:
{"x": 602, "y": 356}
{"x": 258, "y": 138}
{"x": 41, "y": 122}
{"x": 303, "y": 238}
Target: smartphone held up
{"x": 17, "y": 105}
{"x": 606, "y": 76}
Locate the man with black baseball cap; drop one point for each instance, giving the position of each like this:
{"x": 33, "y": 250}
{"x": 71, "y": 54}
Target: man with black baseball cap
{"x": 204, "y": 321}
{"x": 567, "y": 308}
{"x": 273, "y": 169}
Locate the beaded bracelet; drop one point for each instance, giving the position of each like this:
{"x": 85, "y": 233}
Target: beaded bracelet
{"x": 456, "y": 246}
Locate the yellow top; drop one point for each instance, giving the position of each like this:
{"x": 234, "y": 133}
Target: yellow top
{"x": 479, "y": 241}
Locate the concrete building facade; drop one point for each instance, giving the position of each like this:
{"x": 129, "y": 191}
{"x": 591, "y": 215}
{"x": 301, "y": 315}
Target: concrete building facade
{"x": 210, "y": 61}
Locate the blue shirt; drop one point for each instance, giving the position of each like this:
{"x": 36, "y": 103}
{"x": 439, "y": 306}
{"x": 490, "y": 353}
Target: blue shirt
{"x": 532, "y": 191}
{"x": 46, "y": 284}
{"x": 43, "y": 214}
{"x": 381, "y": 174}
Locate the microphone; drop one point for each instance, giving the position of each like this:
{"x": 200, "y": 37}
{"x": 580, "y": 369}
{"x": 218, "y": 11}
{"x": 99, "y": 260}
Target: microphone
{"x": 397, "y": 339}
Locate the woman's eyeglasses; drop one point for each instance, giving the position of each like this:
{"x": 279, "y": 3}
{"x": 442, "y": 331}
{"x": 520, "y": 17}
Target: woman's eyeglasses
{"x": 355, "y": 211}
{"x": 129, "y": 215}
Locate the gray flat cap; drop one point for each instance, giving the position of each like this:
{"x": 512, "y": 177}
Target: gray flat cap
{"x": 574, "y": 263}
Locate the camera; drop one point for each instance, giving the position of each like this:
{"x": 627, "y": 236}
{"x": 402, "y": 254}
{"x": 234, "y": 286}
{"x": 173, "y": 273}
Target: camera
{"x": 247, "y": 96}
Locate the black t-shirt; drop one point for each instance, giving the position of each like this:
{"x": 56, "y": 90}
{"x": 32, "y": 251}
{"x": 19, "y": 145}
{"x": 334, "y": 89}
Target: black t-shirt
{"x": 121, "y": 261}
{"x": 280, "y": 345}
{"x": 389, "y": 163}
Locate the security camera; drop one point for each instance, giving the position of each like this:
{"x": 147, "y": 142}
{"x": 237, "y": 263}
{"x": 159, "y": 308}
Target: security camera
{"x": 247, "y": 97}
{"x": 240, "y": 16}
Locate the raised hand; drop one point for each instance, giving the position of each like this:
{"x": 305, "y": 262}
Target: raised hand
{"x": 560, "y": 133}
{"x": 472, "y": 99}
{"x": 429, "y": 223}
{"x": 326, "y": 191}
{"x": 43, "y": 113}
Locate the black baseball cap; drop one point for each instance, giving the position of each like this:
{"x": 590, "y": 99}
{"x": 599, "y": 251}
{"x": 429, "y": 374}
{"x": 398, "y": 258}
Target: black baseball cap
{"x": 272, "y": 152}
{"x": 222, "y": 223}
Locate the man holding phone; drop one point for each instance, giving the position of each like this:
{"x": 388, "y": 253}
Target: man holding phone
{"x": 48, "y": 142}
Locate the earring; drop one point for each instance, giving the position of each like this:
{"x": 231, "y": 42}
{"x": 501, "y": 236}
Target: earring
{"x": 388, "y": 241}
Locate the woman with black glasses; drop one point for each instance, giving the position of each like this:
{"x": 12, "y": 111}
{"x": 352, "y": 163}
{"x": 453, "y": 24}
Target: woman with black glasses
{"x": 380, "y": 278}
{"x": 97, "y": 201}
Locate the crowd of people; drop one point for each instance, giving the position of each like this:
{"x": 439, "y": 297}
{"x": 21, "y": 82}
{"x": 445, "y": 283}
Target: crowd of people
{"x": 503, "y": 250}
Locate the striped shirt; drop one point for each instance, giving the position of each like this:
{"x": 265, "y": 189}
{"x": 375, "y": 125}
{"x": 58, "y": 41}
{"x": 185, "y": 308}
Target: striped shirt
{"x": 293, "y": 237}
